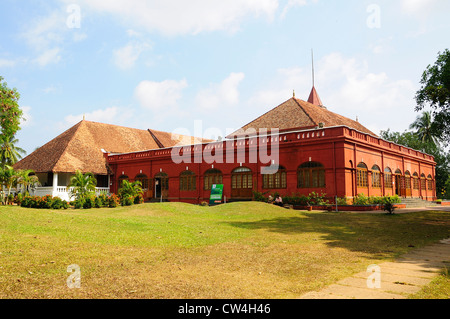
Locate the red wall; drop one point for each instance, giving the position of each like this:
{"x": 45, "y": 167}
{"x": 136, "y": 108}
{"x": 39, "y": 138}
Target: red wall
{"x": 338, "y": 149}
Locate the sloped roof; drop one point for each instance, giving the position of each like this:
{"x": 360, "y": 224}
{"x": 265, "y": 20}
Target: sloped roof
{"x": 80, "y": 147}
{"x": 299, "y": 114}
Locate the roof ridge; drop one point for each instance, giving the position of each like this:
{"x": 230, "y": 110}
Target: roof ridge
{"x": 130, "y": 128}
{"x": 307, "y": 114}
{"x": 158, "y": 142}
{"x": 260, "y": 117}
{"x": 77, "y": 126}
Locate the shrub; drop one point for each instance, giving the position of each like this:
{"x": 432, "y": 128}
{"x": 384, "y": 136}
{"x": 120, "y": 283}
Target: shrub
{"x": 294, "y": 199}
{"x": 360, "y": 200}
{"x": 113, "y": 201}
{"x": 98, "y": 202}
{"x": 389, "y": 204}
{"x": 89, "y": 202}
{"x": 342, "y": 201}
{"x": 138, "y": 199}
{"x": 78, "y": 204}
{"x": 317, "y": 199}
{"x": 18, "y": 199}
{"x": 260, "y": 197}
{"x": 46, "y": 202}
{"x": 104, "y": 200}
{"x": 127, "y": 201}
{"x": 57, "y": 203}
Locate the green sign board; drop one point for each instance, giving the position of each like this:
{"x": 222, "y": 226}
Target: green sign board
{"x": 216, "y": 195}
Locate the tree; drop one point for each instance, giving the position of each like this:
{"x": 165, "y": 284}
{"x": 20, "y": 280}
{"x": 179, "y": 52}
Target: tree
{"x": 8, "y": 179}
{"x": 129, "y": 190}
{"x": 435, "y": 92}
{"x": 10, "y": 117}
{"x": 10, "y": 113}
{"x": 27, "y": 179}
{"x": 9, "y": 152}
{"x": 83, "y": 185}
{"x": 410, "y": 139}
{"x": 426, "y": 129}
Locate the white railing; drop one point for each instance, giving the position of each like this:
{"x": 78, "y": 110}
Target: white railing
{"x": 63, "y": 192}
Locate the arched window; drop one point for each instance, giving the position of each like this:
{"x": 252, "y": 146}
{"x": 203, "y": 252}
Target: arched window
{"x": 144, "y": 181}
{"x": 121, "y": 179}
{"x": 423, "y": 182}
{"x": 311, "y": 175}
{"x": 430, "y": 183}
{"x": 408, "y": 180}
{"x": 376, "y": 177}
{"x": 276, "y": 180}
{"x": 361, "y": 175}
{"x": 241, "y": 178}
{"x": 211, "y": 177}
{"x": 415, "y": 181}
{"x": 387, "y": 178}
{"x": 188, "y": 181}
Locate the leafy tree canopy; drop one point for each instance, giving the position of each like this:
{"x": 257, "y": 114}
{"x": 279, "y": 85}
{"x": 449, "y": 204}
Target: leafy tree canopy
{"x": 435, "y": 92}
{"x": 10, "y": 112}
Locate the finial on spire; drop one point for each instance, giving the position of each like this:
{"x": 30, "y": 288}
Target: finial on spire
{"x": 313, "y": 73}
{"x": 84, "y": 117}
{"x": 294, "y": 94}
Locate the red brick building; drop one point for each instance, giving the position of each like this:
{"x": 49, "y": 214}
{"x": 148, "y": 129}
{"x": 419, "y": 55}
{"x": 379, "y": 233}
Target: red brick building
{"x": 316, "y": 151}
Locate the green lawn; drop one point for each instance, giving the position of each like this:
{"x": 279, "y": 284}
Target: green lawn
{"x": 174, "y": 250}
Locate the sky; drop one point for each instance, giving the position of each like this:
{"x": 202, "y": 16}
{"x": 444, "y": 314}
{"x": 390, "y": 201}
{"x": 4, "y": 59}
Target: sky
{"x": 208, "y": 67}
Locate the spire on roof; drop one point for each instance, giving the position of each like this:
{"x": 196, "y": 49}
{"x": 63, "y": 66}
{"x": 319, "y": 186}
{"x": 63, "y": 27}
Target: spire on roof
{"x": 314, "y": 98}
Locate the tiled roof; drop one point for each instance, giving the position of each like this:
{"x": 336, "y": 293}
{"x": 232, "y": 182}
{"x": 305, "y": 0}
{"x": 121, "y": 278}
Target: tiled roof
{"x": 80, "y": 147}
{"x": 298, "y": 114}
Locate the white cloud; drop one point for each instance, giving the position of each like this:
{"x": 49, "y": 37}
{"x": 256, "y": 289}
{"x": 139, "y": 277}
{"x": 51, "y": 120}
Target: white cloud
{"x": 126, "y": 57}
{"x": 223, "y": 94}
{"x": 351, "y": 89}
{"x": 294, "y": 3}
{"x": 46, "y": 35}
{"x": 6, "y": 63}
{"x": 174, "y": 17}
{"x": 112, "y": 115}
{"x": 418, "y": 6}
{"x": 48, "y": 57}
{"x": 160, "y": 96}
{"x": 285, "y": 81}
{"x": 348, "y": 87}
{"x": 27, "y": 118}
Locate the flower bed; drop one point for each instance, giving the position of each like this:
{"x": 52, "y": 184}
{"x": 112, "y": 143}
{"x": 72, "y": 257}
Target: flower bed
{"x": 443, "y": 203}
{"x": 346, "y": 208}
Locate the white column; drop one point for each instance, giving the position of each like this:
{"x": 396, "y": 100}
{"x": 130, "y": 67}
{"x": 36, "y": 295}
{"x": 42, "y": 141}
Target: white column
{"x": 55, "y": 184}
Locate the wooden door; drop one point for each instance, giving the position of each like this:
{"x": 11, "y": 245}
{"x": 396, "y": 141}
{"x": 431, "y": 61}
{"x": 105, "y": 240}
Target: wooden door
{"x": 242, "y": 184}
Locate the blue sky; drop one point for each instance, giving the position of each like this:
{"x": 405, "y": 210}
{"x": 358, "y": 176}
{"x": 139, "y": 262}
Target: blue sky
{"x": 166, "y": 64}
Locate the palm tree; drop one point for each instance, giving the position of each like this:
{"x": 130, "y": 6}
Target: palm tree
{"x": 130, "y": 189}
{"x": 10, "y": 154}
{"x": 28, "y": 180}
{"x": 8, "y": 179}
{"x": 426, "y": 129}
{"x": 83, "y": 185}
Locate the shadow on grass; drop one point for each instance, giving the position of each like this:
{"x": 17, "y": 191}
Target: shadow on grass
{"x": 382, "y": 235}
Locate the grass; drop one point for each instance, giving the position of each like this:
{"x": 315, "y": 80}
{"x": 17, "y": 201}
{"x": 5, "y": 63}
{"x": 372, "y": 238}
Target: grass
{"x": 175, "y": 250}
